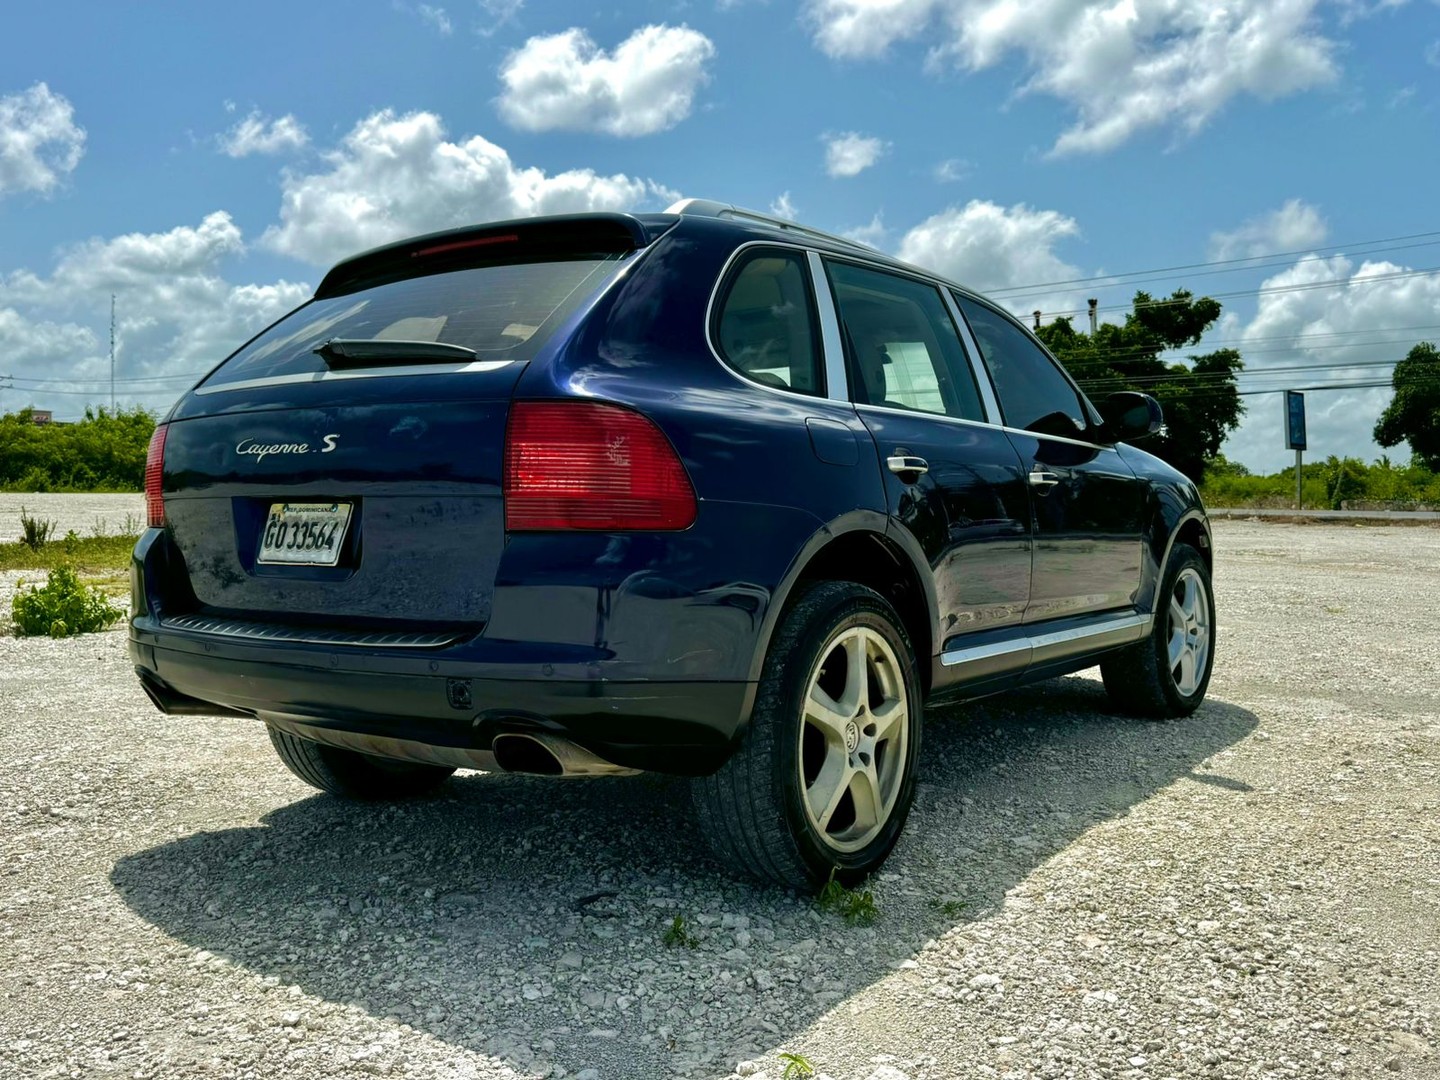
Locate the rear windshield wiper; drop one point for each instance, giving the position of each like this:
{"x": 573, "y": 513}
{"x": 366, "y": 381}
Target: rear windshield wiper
{"x": 376, "y": 352}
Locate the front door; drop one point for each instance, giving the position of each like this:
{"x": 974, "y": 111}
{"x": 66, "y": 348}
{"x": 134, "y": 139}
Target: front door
{"x": 1087, "y": 504}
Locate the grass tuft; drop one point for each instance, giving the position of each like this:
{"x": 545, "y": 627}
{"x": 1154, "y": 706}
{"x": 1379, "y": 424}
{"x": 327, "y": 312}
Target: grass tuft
{"x": 95, "y": 554}
{"x": 856, "y": 907}
{"x": 677, "y": 935}
{"x": 797, "y": 1066}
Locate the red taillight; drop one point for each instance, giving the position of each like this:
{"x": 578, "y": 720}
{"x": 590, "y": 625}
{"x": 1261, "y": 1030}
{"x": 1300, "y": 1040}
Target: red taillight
{"x": 154, "y": 467}
{"x": 584, "y": 465}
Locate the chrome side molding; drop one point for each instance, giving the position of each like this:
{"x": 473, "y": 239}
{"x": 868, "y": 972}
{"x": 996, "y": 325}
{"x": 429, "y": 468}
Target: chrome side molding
{"x": 1014, "y": 654}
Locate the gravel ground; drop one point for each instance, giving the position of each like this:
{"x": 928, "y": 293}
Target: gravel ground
{"x": 84, "y": 513}
{"x": 1250, "y": 892}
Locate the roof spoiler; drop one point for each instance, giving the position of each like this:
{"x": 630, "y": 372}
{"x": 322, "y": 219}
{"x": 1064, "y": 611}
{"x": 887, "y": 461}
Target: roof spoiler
{"x": 526, "y": 238}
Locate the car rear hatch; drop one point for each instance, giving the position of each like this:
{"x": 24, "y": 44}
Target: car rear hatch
{"x": 338, "y": 479}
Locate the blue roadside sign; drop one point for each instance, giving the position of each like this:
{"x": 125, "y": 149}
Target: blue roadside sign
{"x": 1295, "y": 420}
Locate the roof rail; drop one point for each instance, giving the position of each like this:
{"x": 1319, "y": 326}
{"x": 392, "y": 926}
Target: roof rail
{"x": 711, "y": 208}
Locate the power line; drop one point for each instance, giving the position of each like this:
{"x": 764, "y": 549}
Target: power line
{"x": 1305, "y": 286}
{"x": 1113, "y": 278}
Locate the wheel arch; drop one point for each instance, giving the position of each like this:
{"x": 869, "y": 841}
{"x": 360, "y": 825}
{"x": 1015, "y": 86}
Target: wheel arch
{"x": 860, "y": 547}
{"x": 1190, "y": 526}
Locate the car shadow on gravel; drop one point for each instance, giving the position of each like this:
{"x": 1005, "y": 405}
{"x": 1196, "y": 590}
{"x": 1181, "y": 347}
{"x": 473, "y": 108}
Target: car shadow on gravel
{"x": 527, "y": 919}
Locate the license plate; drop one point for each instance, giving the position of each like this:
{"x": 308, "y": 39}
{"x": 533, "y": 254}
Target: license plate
{"x": 304, "y": 534}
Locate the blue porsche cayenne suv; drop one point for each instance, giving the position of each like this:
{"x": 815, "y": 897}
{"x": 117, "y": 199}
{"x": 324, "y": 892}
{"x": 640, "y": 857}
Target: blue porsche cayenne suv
{"x": 703, "y": 492}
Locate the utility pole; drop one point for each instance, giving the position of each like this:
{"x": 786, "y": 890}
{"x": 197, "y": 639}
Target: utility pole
{"x": 112, "y": 354}
{"x": 1094, "y": 316}
{"x": 1037, "y": 318}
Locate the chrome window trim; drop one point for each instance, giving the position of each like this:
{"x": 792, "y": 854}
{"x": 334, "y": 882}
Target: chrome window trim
{"x": 836, "y": 377}
{"x": 396, "y": 371}
{"x": 978, "y": 370}
{"x": 861, "y": 406}
{"x": 1058, "y": 438}
{"x": 724, "y": 273}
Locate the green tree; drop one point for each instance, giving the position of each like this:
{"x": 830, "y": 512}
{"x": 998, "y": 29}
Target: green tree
{"x": 103, "y": 452}
{"x": 1413, "y": 414}
{"x": 1200, "y": 398}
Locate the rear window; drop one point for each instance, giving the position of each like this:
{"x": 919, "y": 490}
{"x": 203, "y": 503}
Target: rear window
{"x": 766, "y": 325}
{"x": 503, "y": 312}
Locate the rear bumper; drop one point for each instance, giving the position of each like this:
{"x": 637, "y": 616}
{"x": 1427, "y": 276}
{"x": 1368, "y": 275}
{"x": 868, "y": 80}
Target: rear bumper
{"x": 633, "y": 711}
{"x": 685, "y": 728}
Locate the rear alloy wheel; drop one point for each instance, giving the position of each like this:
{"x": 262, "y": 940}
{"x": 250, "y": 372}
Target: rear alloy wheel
{"x": 1166, "y": 674}
{"x": 824, "y": 777}
{"x": 354, "y": 775}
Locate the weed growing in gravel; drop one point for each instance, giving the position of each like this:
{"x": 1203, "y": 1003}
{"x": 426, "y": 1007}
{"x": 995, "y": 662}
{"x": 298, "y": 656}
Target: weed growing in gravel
{"x": 948, "y": 908}
{"x": 797, "y": 1066}
{"x": 62, "y": 607}
{"x": 34, "y": 533}
{"x": 678, "y": 934}
{"x": 854, "y": 906}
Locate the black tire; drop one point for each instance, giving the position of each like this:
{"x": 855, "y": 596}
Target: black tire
{"x": 753, "y": 810}
{"x": 354, "y": 775}
{"x": 1140, "y": 678}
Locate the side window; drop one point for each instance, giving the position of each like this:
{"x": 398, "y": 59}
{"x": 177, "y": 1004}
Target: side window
{"x": 766, "y": 327}
{"x": 1031, "y": 389}
{"x": 904, "y": 351}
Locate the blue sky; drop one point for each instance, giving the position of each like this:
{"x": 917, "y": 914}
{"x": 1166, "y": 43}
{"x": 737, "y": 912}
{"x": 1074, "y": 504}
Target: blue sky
{"x": 205, "y": 162}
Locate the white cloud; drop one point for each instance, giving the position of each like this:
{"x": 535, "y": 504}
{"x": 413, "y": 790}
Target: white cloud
{"x": 987, "y": 246}
{"x": 1432, "y": 53}
{"x": 565, "y": 82}
{"x": 177, "y": 314}
{"x": 872, "y": 233}
{"x": 850, "y": 153}
{"x": 501, "y": 12}
{"x": 24, "y": 342}
{"x": 1366, "y": 318}
{"x": 39, "y": 140}
{"x": 1125, "y": 66}
{"x": 952, "y": 169}
{"x": 436, "y": 17}
{"x": 257, "y": 135}
{"x": 394, "y": 176}
{"x": 1294, "y": 227}
{"x": 784, "y": 207}
{"x": 1402, "y": 96}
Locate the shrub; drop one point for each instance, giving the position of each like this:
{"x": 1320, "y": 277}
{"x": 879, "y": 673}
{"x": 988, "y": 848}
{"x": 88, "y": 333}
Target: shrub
{"x": 62, "y": 607}
{"x": 34, "y": 532}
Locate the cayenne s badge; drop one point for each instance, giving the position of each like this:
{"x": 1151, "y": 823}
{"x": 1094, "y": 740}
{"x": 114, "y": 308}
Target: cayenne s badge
{"x": 260, "y": 451}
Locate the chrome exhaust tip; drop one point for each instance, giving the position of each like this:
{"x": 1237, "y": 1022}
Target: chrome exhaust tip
{"x": 540, "y": 754}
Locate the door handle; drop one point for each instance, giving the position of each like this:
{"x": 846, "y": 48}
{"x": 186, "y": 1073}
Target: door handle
{"x": 900, "y": 463}
{"x": 1040, "y": 478}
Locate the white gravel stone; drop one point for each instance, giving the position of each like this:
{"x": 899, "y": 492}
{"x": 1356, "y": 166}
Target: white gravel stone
{"x": 173, "y": 903}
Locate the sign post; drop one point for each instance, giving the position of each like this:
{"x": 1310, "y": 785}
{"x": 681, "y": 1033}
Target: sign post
{"x": 1295, "y": 434}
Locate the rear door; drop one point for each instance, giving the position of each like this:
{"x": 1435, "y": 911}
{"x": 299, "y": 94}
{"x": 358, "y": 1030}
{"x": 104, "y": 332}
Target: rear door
{"x": 1087, "y": 503}
{"x": 360, "y": 484}
{"x": 953, "y": 481}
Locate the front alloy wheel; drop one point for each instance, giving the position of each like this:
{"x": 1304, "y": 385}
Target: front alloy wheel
{"x": 1189, "y": 646}
{"x": 1167, "y": 673}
